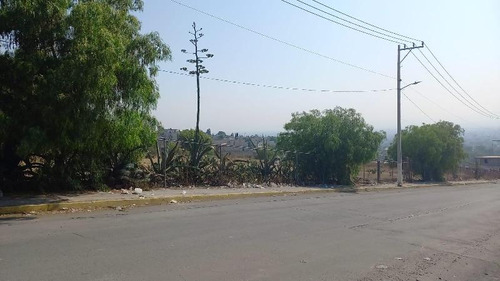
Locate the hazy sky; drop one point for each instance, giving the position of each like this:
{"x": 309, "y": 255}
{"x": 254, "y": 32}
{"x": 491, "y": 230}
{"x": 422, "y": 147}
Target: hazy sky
{"x": 464, "y": 35}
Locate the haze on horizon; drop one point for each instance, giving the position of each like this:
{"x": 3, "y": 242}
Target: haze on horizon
{"x": 462, "y": 34}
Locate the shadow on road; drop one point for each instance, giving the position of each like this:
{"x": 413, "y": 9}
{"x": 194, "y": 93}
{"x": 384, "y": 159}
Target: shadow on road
{"x": 8, "y": 219}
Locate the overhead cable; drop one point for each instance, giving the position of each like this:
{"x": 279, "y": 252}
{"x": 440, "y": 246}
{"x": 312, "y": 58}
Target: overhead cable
{"x": 367, "y": 23}
{"x": 454, "y": 89}
{"x": 442, "y": 66}
{"x": 423, "y": 112}
{"x": 280, "y": 87}
{"x": 353, "y": 23}
{"x": 339, "y": 23}
{"x": 436, "y": 104}
{"x": 282, "y": 41}
{"x": 448, "y": 90}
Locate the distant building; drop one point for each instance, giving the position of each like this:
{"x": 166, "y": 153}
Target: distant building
{"x": 488, "y": 162}
{"x": 170, "y": 134}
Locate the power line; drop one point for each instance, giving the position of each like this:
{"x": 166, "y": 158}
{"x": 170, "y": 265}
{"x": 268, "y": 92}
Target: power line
{"x": 457, "y": 82}
{"x": 280, "y": 87}
{"x": 353, "y": 23}
{"x": 451, "y": 86}
{"x": 281, "y": 41}
{"x": 339, "y": 23}
{"x": 436, "y": 104}
{"x": 435, "y": 78}
{"x": 470, "y": 104}
{"x": 367, "y": 23}
{"x": 423, "y": 112}
{"x": 441, "y": 83}
{"x": 477, "y": 107}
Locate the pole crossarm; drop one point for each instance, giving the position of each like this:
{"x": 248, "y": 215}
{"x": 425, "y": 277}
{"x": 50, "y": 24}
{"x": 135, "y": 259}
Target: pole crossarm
{"x": 405, "y": 48}
{"x": 409, "y": 49}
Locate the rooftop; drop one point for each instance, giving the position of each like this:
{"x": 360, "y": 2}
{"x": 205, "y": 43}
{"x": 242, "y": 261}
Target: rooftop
{"x": 487, "y": 157}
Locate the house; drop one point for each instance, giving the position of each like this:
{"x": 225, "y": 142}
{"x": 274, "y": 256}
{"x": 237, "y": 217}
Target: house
{"x": 488, "y": 162}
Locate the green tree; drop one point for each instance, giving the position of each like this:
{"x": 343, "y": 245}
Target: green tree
{"x": 433, "y": 149}
{"x": 331, "y": 145}
{"x": 77, "y": 84}
{"x": 220, "y": 135}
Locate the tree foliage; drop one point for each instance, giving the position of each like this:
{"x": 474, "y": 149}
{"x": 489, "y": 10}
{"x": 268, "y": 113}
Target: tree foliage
{"x": 331, "y": 145}
{"x": 433, "y": 149}
{"x": 187, "y": 140}
{"x": 77, "y": 87}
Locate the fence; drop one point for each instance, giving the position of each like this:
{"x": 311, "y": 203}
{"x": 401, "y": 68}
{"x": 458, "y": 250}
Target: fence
{"x": 474, "y": 171}
{"x": 370, "y": 173}
{"x": 388, "y": 173}
{"x": 378, "y": 172}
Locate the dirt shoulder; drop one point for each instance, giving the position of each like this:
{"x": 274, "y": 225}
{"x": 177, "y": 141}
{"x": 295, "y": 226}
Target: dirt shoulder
{"x": 127, "y": 198}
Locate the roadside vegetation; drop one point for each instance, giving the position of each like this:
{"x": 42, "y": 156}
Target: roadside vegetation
{"x": 434, "y": 149}
{"x": 332, "y": 144}
{"x": 77, "y": 85}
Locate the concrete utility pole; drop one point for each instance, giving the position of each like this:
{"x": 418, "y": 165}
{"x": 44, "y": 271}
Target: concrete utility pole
{"x": 400, "y": 153}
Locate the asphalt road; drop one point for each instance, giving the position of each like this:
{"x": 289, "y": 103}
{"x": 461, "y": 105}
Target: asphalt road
{"x": 438, "y": 233}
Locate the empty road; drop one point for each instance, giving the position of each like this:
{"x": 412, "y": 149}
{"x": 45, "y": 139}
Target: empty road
{"x": 438, "y": 233}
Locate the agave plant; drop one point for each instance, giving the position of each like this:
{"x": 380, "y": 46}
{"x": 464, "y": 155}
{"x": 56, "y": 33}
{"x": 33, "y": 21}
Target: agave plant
{"x": 198, "y": 152}
{"x": 165, "y": 159}
{"x": 268, "y": 159}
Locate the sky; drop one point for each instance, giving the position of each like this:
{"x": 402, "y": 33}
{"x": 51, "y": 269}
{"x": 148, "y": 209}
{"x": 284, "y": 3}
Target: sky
{"x": 464, "y": 36}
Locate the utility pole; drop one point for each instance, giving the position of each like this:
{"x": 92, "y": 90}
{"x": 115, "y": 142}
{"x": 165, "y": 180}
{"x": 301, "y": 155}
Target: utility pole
{"x": 165, "y": 162}
{"x": 378, "y": 171}
{"x": 400, "y": 153}
{"x": 296, "y": 170}
{"x": 221, "y": 167}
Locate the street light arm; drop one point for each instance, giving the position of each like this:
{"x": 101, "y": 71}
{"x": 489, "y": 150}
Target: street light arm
{"x": 414, "y": 83}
